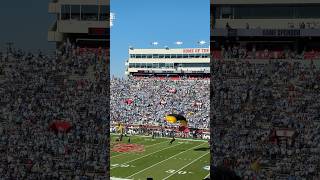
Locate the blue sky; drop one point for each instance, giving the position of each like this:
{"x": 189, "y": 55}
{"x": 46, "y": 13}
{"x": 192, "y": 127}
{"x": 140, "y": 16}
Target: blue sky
{"x": 140, "y": 22}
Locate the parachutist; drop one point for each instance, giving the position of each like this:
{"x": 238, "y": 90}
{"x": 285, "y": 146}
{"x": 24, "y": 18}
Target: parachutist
{"x": 172, "y": 140}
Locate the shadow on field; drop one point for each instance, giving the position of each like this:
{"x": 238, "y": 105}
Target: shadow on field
{"x": 202, "y": 149}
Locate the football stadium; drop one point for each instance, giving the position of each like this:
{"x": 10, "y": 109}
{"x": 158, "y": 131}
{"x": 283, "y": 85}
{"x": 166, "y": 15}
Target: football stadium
{"x": 265, "y": 88}
{"x": 160, "y": 115}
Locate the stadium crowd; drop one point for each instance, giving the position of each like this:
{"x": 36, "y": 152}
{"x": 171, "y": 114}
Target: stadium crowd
{"x": 53, "y": 116}
{"x": 266, "y": 118}
{"x": 147, "y": 101}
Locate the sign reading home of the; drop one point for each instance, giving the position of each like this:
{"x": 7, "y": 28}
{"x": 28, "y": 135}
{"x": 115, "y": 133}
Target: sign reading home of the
{"x": 281, "y": 32}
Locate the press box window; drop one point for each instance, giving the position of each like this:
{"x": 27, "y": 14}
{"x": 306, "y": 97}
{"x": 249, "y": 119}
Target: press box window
{"x": 205, "y": 55}
{"x": 104, "y": 15}
{"x": 65, "y": 12}
{"x": 75, "y": 12}
{"x": 226, "y": 12}
{"x": 89, "y": 12}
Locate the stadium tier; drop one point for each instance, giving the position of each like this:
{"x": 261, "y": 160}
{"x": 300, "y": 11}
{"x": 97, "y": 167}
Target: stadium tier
{"x": 148, "y": 101}
{"x": 49, "y": 126}
{"x": 266, "y": 70}
{"x": 84, "y": 22}
{"x": 265, "y": 14}
{"x": 191, "y": 62}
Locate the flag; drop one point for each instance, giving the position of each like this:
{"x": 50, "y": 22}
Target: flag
{"x": 155, "y": 43}
{"x": 202, "y": 42}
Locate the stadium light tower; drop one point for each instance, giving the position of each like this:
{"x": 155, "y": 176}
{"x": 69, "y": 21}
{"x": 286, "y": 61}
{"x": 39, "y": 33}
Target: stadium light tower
{"x": 155, "y": 43}
{"x": 201, "y": 43}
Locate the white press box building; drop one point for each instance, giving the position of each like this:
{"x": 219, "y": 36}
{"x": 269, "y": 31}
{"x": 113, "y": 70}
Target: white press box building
{"x": 85, "y": 22}
{"x": 265, "y": 14}
{"x": 169, "y": 62}
{"x": 273, "y": 25}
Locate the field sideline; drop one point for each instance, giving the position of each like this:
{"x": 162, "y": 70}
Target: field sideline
{"x": 184, "y": 159}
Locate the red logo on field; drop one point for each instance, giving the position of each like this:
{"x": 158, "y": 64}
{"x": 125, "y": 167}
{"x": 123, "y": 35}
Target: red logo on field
{"x": 128, "y": 148}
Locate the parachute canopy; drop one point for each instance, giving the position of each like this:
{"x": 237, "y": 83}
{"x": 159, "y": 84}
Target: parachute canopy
{"x": 175, "y": 118}
{"x": 119, "y": 128}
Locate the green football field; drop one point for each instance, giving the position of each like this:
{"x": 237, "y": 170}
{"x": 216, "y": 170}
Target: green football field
{"x": 182, "y": 160}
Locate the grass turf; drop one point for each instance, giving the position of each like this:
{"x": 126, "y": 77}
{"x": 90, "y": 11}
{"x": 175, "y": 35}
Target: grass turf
{"x": 183, "y": 159}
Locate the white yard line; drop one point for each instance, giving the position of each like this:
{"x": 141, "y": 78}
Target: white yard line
{"x": 207, "y": 176}
{"x": 148, "y": 154}
{"x": 164, "y": 160}
{"x": 115, "y": 178}
{"x": 145, "y": 147}
{"x": 185, "y": 166}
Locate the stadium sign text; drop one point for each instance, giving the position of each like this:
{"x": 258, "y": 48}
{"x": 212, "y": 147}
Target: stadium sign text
{"x": 281, "y": 32}
{"x": 196, "y": 50}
